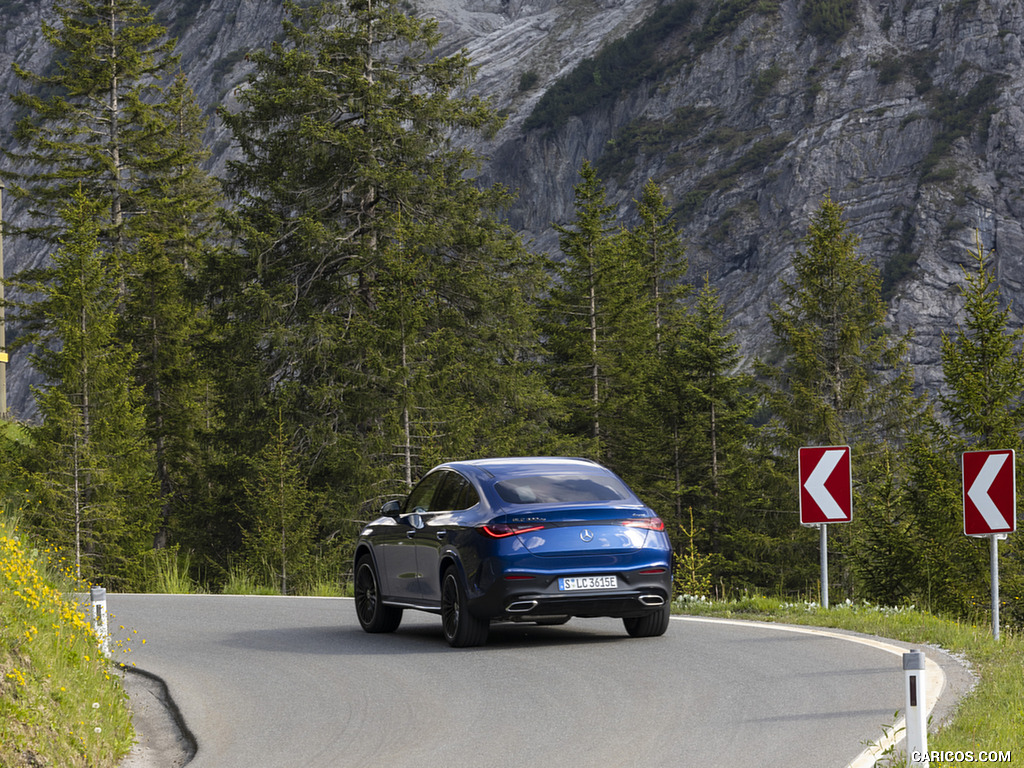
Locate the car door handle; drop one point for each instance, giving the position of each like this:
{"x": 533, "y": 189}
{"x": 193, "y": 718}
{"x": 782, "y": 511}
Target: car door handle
{"x": 410, "y": 533}
{"x": 441, "y": 535}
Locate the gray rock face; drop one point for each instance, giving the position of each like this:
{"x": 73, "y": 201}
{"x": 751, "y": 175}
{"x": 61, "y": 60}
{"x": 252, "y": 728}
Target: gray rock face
{"x": 913, "y": 119}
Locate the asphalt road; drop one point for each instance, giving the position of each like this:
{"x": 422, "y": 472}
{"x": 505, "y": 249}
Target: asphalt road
{"x": 265, "y": 682}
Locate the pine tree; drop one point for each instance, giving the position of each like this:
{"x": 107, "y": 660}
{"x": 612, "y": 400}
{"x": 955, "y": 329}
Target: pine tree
{"x": 94, "y": 127}
{"x": 830, "y": 385}
{"x": 593, "y": 315}
{"x": 279, "y": 535}
{"x": 662, "y": 257}
{"x": 983, "y": 365}
{"x": 375, "y": 298}
{"x": 90, "y": 455}
{"x": 109, "y": 119}
{"x": 841, "y": 377}
{"x": 164, "y": 317}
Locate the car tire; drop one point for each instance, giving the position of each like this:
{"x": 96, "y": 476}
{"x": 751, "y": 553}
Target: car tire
{"x": 461, "y": 628}
{"x": 374, "y": 615}
{"x": 653, "y": 624}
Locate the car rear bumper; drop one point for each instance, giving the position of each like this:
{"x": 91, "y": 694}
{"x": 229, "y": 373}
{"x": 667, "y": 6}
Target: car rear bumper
{"x": 524, "y": 595}
{"x": 618, "y": 606}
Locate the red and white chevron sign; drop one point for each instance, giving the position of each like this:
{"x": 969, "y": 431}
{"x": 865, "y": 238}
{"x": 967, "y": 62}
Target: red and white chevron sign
{"x": 990, "y": 492}
{"x": 826, "y": 485}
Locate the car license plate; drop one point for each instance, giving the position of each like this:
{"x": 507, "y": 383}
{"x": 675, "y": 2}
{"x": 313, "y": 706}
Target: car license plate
{"x": 571, "y": 583}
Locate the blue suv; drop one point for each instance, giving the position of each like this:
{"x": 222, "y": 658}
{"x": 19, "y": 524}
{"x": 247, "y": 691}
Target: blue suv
{"x": 515, "y": 539}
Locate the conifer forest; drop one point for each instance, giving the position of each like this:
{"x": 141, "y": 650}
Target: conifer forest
{"x": 239, "y": 371}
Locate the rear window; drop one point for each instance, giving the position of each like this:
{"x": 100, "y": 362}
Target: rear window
{"x": 561, "y": 489}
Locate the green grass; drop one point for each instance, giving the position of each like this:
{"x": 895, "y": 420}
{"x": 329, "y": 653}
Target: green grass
{"x": 166, "y": 571}
{"x": 61, "y": 701}
{"x": 242, "y": 582}
{"x": 990, "y": 718}
{"x": 329, "y": 589}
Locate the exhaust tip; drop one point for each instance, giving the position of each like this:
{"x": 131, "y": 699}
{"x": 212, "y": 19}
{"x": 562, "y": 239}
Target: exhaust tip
{"x": 521, "y": 606}
{"x": 652, "y": 600}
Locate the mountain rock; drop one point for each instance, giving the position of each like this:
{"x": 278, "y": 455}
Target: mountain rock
{"x": 910, "y": 113}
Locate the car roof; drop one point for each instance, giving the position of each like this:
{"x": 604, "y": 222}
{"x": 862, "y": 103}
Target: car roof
{"x": 499, "y": 468}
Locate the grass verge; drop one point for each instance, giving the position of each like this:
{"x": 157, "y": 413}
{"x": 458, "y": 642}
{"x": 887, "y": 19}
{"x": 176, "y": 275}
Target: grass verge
{"x": 989, "y": 719}
{"x": 61, "y": 701}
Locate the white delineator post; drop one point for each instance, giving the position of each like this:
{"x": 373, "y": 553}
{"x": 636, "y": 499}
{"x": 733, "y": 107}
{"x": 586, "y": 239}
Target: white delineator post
{"x": 98, "y": 612}
{"x": 916, "y": 709}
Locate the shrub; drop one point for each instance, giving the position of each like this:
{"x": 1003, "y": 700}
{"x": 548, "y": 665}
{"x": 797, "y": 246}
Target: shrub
{"x": 829, "y": 20}
{"x": 528, "y": 80}
{"x": 619, "y": 66}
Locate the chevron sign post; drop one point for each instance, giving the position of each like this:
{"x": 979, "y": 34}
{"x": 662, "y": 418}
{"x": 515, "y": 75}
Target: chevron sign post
{"x": 826, "y": 495}
{"x": 826, "y": 491}
{"x": 990, "y": 491}
{"x": 990, "y": 506}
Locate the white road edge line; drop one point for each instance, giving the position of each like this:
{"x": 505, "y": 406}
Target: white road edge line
{"x": 895, "y": 734}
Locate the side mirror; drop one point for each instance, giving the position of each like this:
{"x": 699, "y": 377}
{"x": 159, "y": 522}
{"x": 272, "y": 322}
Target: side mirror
{"x": 391, "y": 508}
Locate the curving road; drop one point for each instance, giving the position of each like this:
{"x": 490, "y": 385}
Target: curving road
{"x": 268, "y": 682}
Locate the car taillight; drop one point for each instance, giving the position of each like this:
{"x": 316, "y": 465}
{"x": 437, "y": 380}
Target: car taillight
{"x": 503, "y": 530}
{"x": 650, "y": 523}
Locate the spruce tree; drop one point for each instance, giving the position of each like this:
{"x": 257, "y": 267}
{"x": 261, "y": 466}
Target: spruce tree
{"x": 279, "y": 531}
{"x": 662, "y": 256}
{"x": 89, "y": 121}
{"x": 594, "y": 316}
{"x": 830, "y": 386}
{"x": 889, "y": 555}
{"x": 719, "y": 406}
{"x": 841, "y": 377}
{"x": 90, "y": 456}
{"x": 949, "y": 570}
{"x": 982, "y": 363}
{"x": 165, "y": 317}
{"x": 984, "y": 380}
{"x": 375, "y": 297}
{"x": 642, "y": 416}
{"x": 107, "y": 117}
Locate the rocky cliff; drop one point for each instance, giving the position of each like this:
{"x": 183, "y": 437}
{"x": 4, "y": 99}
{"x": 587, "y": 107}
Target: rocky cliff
{"x": 908, "y": 112}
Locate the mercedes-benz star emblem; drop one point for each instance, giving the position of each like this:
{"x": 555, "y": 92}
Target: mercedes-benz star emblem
{"x": 587, "y": 535}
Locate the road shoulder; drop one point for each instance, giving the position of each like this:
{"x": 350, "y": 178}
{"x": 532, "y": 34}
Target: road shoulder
{"x": 162, "y": 739}
{"x": 950, "y": 677}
